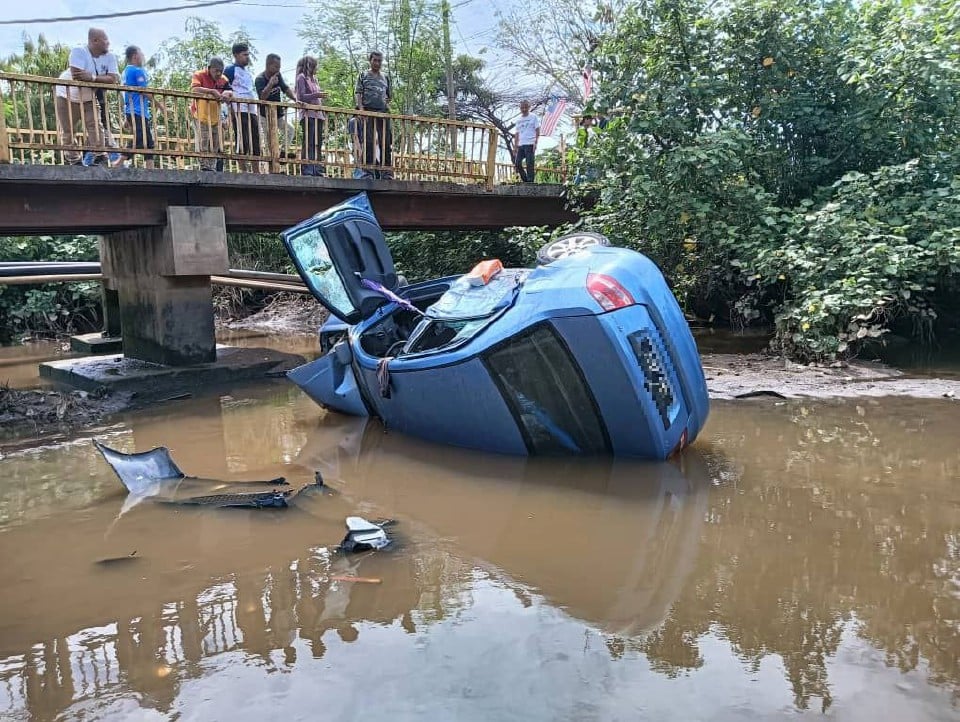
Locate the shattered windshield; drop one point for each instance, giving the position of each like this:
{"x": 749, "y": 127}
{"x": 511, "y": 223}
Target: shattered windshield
{"x": 311, "y": 252}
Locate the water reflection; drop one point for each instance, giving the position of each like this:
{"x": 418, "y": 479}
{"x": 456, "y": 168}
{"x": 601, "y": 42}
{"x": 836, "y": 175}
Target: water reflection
{"x": 804, "y": 557}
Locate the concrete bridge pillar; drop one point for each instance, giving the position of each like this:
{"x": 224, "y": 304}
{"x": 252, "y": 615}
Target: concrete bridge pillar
{"x": 162, "y": 278}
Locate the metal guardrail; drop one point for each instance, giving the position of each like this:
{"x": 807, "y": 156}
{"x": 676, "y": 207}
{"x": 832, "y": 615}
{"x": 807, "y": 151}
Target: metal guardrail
{"x": 426, "y": 149}
{"x": 17, "y": 274}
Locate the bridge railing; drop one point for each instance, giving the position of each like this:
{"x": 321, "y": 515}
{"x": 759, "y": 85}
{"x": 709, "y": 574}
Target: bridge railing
{"x": 37, "y": 127}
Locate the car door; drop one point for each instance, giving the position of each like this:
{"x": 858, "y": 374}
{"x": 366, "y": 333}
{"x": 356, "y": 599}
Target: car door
{"x": 335, "y": 251}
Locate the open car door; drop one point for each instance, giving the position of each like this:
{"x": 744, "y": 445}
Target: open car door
{"x": 335, "y": 251}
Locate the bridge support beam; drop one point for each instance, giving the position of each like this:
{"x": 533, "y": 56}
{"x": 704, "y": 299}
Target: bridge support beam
{"x": 162, "y": 279}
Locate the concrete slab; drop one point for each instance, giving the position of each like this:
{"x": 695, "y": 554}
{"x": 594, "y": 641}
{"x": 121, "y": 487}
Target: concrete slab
{"x": 146, "y": 382}
{"x": 96, "y": 344}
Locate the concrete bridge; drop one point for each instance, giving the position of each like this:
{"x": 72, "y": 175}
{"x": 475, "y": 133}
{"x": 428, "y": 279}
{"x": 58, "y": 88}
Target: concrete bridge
{"x": 47, "y": 199}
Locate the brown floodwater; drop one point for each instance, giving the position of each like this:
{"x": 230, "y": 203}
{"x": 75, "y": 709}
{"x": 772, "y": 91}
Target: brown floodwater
{"x": 802, "y": 560}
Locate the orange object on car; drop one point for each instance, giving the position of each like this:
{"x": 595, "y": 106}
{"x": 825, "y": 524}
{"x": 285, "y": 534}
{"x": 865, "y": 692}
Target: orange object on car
{"x": 481, "y": 274}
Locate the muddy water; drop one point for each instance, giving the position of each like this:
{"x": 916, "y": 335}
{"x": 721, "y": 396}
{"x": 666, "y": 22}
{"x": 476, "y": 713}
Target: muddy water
{"x": 803, "y": 560}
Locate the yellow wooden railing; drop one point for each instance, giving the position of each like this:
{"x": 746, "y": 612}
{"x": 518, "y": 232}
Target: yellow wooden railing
{"x": 423, "y": 149}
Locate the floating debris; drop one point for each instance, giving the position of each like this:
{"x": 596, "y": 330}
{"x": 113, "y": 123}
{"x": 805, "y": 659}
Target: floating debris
{"x": 361, "y": 580}
{"x": 363, "y": 535}
{"x": 154, "y": 475}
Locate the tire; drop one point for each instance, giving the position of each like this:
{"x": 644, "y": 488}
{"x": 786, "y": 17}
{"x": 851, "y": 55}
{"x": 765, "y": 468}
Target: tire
{"x": 569, "y": 244}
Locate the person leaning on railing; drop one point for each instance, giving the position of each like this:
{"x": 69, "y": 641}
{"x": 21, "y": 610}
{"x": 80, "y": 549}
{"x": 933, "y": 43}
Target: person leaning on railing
{"x": 136, "y": 106}
{"x": 246, "y": 119}
{"x": 92, "y": 63}
{"x": 213, "y": 88}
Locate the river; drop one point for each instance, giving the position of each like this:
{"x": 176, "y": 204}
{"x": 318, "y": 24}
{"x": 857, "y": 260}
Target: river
{"x": 802, "y": 560}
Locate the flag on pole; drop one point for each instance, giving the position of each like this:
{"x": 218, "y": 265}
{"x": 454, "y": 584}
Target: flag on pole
{"x": 551, "y": 115}
{"x": 587, "y": 83}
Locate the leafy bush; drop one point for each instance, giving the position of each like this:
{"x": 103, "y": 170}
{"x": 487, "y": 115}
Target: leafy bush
{"x": 55, "y": 307}
{"x": 430, "y": 254}
{"x": 875, "y": 252}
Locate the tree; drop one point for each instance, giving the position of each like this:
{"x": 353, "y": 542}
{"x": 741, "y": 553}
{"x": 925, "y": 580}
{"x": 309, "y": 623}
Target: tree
{"x": 407, "y": 32}
{"x": 180, "y": 57}
{"x": 37, "y": 58}
{"x": 791, "y": 159}
{"x": 553, "y": 41}
{"x": 477, "y": 99}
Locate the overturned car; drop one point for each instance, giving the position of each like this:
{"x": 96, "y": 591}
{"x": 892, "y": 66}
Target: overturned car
{"x": 588, "y": 353}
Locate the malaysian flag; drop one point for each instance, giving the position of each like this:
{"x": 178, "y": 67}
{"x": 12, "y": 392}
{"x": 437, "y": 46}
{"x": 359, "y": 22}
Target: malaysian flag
{"x": 551, "y": 115}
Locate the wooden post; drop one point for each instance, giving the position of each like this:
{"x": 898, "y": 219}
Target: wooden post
{"x": 273, "y": 140}
{"x": 563, "y": 160}
{"x": 491, "y": 159}
{"x": 4, "y": 140}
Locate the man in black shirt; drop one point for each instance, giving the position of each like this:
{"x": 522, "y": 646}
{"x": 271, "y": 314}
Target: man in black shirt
{"x": 271, "y": 86}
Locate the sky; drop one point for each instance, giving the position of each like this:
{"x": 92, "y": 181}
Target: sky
{"x": 273, "y": 25}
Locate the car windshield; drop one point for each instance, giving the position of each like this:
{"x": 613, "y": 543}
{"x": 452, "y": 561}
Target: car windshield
{"x": 463, "y": 300}
{"x": 310, "y": 249}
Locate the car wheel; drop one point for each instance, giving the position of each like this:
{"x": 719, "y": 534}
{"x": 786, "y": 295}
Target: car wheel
{"x": 569, "y": 244}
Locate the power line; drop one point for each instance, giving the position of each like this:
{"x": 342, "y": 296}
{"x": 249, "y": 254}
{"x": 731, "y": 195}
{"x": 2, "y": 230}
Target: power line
{"x": 129, "y": 13}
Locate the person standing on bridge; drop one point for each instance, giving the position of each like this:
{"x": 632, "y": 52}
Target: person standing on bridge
{"x": 246, "y": 121}
{"x": 271, "y": 86}
{"x": 213, "y": 88}
{"x": 311, "y": 118}
{"x": 93, "y": 63}
{"x": 374, "y": 92}
{"x": 525, "y": 141}
{"x": 136, "y": 106}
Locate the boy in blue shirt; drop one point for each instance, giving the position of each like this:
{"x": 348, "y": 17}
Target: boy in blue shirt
{"x": 136, "y": 106}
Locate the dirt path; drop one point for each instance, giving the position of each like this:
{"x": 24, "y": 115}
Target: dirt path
{"x": 731, "y": 376}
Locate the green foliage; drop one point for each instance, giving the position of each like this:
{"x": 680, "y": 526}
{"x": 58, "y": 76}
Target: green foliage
{"x": 37, "y": 58}
{"x": 180, "y": 57}
{"x": 407, "y": 32}
{"x": 49, "y": 308}
{"x": 873, "y": 254}
{"x": 423, "y": 255}
{"x": 748, "y": 140}
{"x": 258, "y": 252}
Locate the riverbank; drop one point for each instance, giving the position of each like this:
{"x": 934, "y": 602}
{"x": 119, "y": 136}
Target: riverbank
{"x": 738, "y": 376}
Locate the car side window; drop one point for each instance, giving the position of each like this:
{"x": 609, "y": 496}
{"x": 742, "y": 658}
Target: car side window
{"x": 547, "y": 394}
{"x": 322, "y": 276}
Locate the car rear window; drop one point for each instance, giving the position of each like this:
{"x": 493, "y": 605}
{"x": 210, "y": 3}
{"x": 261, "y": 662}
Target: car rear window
{"x": 547, "y": 394}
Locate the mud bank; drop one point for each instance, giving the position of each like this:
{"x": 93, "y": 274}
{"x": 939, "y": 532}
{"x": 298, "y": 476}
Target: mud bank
{"x": 39, "y": 413}
{"x": 736, "y": 376}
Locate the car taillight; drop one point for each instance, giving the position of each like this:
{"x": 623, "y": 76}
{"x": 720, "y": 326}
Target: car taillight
{"x": 608, "y": 292}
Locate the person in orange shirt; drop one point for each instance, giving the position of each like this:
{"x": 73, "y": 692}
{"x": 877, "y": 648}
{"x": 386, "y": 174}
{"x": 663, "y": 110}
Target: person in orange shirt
{"x": 212, "y": 88}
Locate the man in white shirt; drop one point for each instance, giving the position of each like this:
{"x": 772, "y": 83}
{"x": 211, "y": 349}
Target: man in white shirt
{"x": 525, "y": 140}
{"x": 246, "y": 119}
{"x": 92, "y": 63}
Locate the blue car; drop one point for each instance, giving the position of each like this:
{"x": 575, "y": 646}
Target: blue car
{"x": 588, "y": 353}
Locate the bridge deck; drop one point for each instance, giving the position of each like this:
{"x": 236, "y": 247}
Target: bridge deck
{"x": 38, "y": 199}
